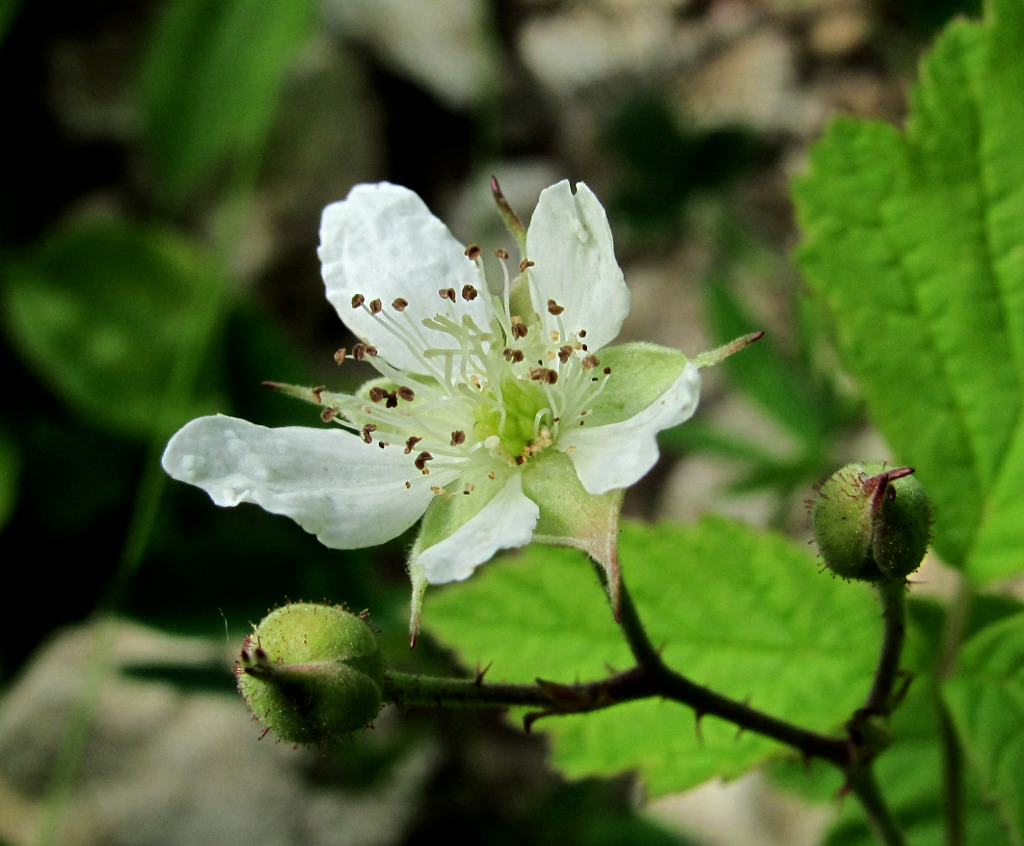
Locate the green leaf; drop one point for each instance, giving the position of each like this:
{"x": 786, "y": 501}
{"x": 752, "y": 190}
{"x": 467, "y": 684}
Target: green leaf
{"x": 914, "y": 241}
{"x": 104, "y": 312}
{"x": 986, "y": 701}
{"x": 743, "y": 612}
{"x": 211, "y": 84}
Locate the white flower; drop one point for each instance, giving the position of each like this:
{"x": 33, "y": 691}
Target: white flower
{"x": 499, "y": 414}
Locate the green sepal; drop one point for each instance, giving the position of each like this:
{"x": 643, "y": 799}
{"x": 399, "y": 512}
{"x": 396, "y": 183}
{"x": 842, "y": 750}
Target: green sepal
{"x": 640, "y": 374}
{"x": 572, "y": 517}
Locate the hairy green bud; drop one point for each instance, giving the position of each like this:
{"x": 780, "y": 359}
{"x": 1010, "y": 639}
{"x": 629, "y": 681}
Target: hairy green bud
{"x": 872, "y": 522}
{"x": 311, "y": 673}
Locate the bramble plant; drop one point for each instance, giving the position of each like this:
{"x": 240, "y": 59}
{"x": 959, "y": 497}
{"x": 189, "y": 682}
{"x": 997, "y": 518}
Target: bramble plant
{"x": 501, "y": 413}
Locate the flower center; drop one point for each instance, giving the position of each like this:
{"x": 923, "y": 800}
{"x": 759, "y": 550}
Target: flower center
{"x": 490, "y": 388}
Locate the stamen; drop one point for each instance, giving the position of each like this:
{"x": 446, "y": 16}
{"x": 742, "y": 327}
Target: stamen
{"x": 564, "y": 353}
{"x": 458, "y": 438}
{"x": 400, "y": 304}
{"x": 469, "y": 293}
{"x": 590, "y": 362}
{"x": 339, "y": 356}
{"x": 501, "y": 253}
{"x": 421, "y": 462}
{"x": 543, "y": 374}
{"x": 328, "y": 414}
{"x": 377, "y": 393}
{"x": 316, "y": 393}
{"x": 366, "y": 430}
{"x": 519, "y": 329}
{"x": 525, "y": 263}
{"x": 554, "y": 308}
{"x": 447, "y": 294}
{"x": 473, "y": 252}
{"x": 410, "y": 444}
{"x": 376, "y": 306}
{"x": 358, "y": 300}
{"x": 406, "y": 393}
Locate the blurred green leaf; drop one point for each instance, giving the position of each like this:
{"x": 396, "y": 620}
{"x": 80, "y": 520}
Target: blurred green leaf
{"x": 741, "y": 611}
{"x": 212, "y": 81}
{"x": 104, "y": 312}
{"x": 910, "y": 776}
{"x": 10, "y": 466}
{"x": 910, "y": 772}
{"x": 986, "y": 701}
{"x": 914, "y": 241}
{"x": 765, "y": 375}
{"x": 8, "y": 13}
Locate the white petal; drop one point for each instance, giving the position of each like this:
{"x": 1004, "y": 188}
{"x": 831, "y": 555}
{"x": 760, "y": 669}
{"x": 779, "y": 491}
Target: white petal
{"x": 570, "y": 243}
{"x": 348, "y": 493}
{"x": 383, "y": 242}
{"x": 507, "y": 521}
{"x": 618, "y": 454}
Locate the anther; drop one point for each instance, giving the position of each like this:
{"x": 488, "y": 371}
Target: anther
{"x": 359, "y": 352}
{"x": 501, "y": 253}
{"x": 358, "y": 300}
{"x": 519, "y": 329}
{"x": 376, "y": 306}
{"x": 392, "y": 400}
{"x": 607, "y": 371}
{"x": 366, "y": 430}
{"x": 316, "y": 393}
{"x": 525, "y": 263}
{"x": 590, "y": 362}
{"x": 421, "y": 462}
{"x": 582, "y": 333}
{"x": 555, "y": 308}
{"x": 513, "y": 355}
{"x": 410, "y": 444}
{"x": 468, "y": 293}
{"x": 400, "y": 304}
{"x": 339, "y": 356}
{"x": 328, "y": 414}
{"x": 447, "y": 294}
{"x": 543, "y": 374}
{"x": 564, "y": 353}
{"x": 377, "y": 393}
{"x": 473, "y": 252}
{"x": 458, "y": 438}
{"x": 406, "y": 393}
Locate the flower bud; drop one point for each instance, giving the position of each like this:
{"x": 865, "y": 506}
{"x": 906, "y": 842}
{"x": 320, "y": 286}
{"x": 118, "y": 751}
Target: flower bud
{"x": 311, "y": 673}
{"x": 872, "y": 523}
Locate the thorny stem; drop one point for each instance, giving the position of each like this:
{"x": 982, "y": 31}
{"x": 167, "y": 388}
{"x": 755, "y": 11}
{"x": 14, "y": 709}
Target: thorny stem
{"x": 862, "y": 783}
{"x": 853, "y": 754}
{"x": 672, "y": 685}
{"x": 892, "y": 593}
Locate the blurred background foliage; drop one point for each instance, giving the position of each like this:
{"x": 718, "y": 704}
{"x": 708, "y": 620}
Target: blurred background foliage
{"x": 167, "y": 163}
